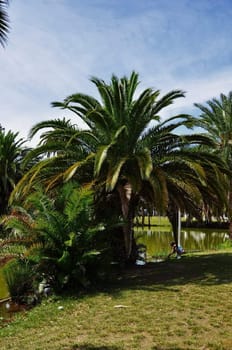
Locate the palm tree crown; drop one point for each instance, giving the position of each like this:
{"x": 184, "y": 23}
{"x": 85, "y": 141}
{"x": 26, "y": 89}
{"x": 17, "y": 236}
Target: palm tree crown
{"x": 216, "y": 119}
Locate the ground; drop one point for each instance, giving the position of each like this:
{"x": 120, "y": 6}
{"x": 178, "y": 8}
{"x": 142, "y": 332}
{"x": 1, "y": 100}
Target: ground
{"x": 172, "y": 305}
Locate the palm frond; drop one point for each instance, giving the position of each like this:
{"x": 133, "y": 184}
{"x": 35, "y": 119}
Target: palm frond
{"x": 4, "y": 22}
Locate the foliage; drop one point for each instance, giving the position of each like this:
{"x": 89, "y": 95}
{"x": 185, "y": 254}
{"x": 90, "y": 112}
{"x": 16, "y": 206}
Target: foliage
{"x": 216, "y": 120}
{"x": 11, "y": 155}
{"x": 128, "y": 154}
{"x": 62, "y": 239}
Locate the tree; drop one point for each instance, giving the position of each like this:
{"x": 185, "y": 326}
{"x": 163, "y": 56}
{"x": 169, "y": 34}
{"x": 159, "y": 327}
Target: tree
{"x": 122, "y": 160}
{"x": 11, "y": 155}
{"x": 216, "y": 119}
{"x": 125, "y": 155}
{"x": 4, "y": 22}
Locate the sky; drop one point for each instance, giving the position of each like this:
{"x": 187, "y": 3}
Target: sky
{"x": 56, "y": 46}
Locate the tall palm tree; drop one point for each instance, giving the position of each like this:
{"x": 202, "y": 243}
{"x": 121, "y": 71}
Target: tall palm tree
{"x": 123, "y": 150}
{"x": 116, "y": 125}
{"x": 216, "y": 119}
{"x": 4, "y": 21}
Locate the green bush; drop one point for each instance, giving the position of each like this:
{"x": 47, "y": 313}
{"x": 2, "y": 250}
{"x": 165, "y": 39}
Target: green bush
{"x": 65, "y": 244}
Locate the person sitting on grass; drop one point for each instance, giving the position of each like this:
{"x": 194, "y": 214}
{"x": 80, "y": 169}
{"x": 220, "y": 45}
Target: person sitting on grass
{"x": 178, "y": 250}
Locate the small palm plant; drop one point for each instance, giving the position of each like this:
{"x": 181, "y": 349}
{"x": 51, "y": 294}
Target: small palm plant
{"x": 60, "y": 234}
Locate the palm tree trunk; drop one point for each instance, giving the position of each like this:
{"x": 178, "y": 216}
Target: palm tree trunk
{"x": 230, "y": 210}
{"x": 143, "y": 218}
{"x": 172, "y": 214}
{"x": 127, "y": 206}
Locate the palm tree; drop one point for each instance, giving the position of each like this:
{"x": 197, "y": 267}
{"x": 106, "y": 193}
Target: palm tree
{"x": 11, "y": 155}
{"x": 4, "y": 21}
{"x": 123, "y": 150}
{"x": 115, "y": 138}
{"x": 216, "y": 119}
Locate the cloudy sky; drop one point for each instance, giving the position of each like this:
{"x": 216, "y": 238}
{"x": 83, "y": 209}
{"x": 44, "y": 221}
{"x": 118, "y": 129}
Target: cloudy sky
{"x": 55, "y": 46}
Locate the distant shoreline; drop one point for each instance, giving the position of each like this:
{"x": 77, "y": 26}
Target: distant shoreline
{"x": 210, "y": 225}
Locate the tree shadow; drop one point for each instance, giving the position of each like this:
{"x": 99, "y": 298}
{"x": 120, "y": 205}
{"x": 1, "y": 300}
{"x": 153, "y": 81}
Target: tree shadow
{"x": 170, "y": 348}
{"x": 94, "y": 347}
{"x": 212, "y": 269}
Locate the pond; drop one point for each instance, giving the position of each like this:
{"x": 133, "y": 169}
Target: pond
{"x": 4, "y": 294}
{"x": 7, "y": 307}
{"x": 3, "y": 287}
{"x": 157, "y": 241}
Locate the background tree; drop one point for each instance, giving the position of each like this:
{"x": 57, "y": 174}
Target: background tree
{"x": 11, "y": 156}
{"x": 216, "y": 119}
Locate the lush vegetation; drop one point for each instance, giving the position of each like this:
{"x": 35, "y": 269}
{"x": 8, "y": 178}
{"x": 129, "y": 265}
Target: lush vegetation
{"x": 64, "y": 245}
{"x": 71, "y": 202}
{"x": 176, "y": 305}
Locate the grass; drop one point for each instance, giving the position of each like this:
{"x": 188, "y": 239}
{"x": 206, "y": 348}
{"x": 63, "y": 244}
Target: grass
{"x": 174, "y": 305}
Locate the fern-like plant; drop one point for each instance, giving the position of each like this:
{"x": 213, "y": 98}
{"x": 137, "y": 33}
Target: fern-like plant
{"x": 62, "y": 239}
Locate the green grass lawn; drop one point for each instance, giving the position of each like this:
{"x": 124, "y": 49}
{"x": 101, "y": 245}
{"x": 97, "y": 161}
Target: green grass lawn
{"x": 174, "y": 305}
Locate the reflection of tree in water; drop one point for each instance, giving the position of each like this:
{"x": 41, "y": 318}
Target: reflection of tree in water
{"x": 158, "y": 242}
{"x": 203, "y": 240}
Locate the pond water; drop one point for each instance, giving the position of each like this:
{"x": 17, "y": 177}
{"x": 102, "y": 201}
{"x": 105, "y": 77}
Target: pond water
{"x": 7, "y": 307}
{"x": 157, "y": 242}
{"x": 3, "y": 295}
{"x": 3, "y": 287}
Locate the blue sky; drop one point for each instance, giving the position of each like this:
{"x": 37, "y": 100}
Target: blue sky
{"x": 55, "y": 46}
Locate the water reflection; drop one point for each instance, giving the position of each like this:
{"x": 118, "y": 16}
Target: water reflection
{"x": 158, "y": 242}
{"x": 7, "y": 310}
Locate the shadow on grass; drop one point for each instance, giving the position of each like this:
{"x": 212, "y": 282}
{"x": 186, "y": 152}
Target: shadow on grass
{"x": 170, "y": 348}
{"x": 211, "y": 269}
{"x": 112, "y": 347}
{"x": 94, "y": 347}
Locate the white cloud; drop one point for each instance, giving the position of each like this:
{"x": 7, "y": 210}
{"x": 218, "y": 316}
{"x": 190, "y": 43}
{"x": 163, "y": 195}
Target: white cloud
{"x": 55, "y": 46}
